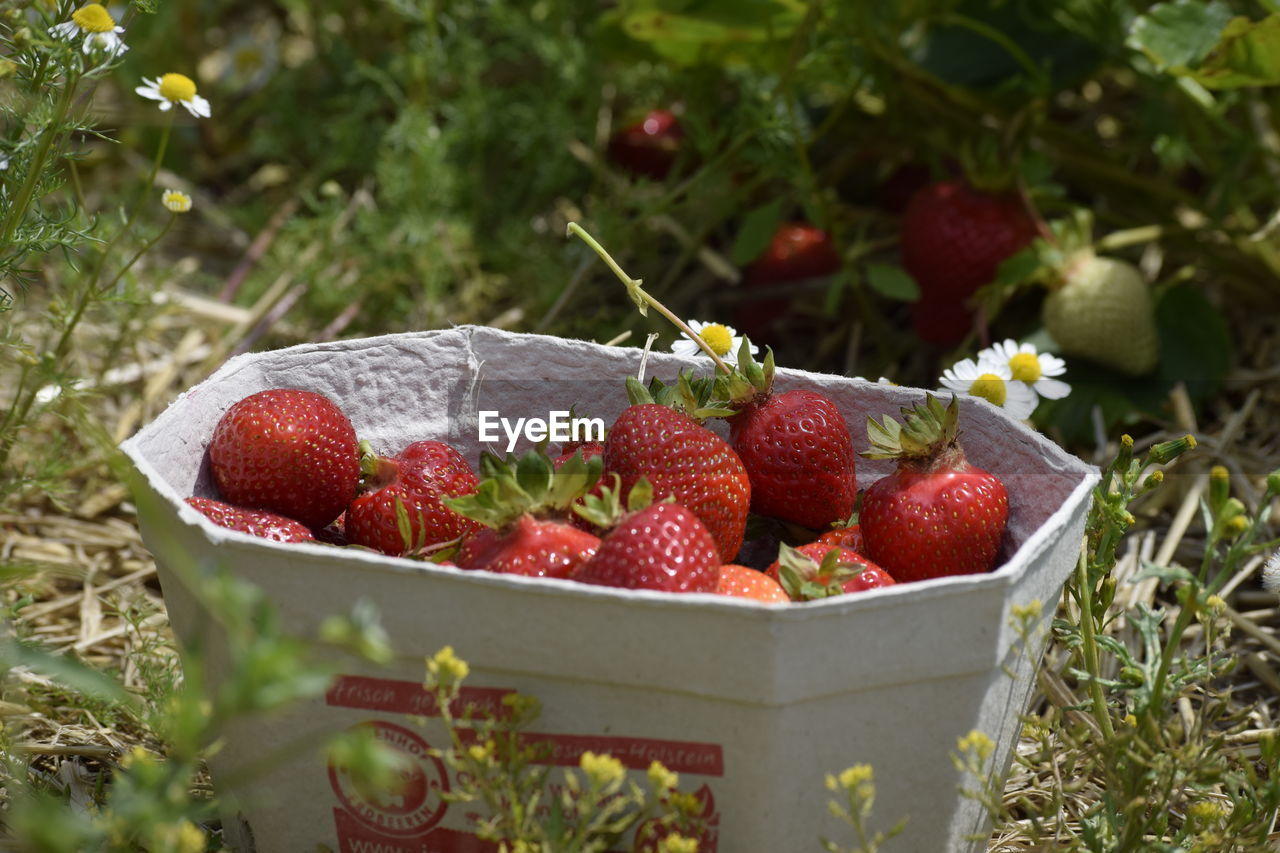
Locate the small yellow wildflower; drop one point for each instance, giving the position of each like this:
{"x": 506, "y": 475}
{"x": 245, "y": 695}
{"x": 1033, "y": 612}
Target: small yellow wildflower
{"x": 977, "y": 743}
{"x": 677, "y": 843}
{"x": 175, "y": 89}
{"x": 602, "y": 770}
{"x": 446, "y": 667}
{"x": 175, "y": 201}
{"x": 98, "y": 27}
{"x": 481, "y": 752}
{"x": 1028, "y": 612}
{"x": 661, "y": 778}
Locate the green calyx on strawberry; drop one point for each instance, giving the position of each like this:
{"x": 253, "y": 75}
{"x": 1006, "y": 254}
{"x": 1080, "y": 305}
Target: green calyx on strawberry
{"x": 288, "y": 451}
{"x": 401, "y": 510}
{"x": 817, "y": 571}
{"x": 936, "y": 514}
{"x": 663, "y": 546}
{"x": 525, "y": 504}
{"x": 795, "y": 446}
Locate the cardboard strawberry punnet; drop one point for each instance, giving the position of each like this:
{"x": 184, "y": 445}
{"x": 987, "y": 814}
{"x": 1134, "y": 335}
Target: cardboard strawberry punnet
{"x": 751, "y": 703}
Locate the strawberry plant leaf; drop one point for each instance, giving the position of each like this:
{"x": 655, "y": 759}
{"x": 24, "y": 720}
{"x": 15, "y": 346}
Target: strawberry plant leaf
{"x": 1247, "y": 55}
{"x": 1178, "y": 35}
{"x": 893, "y": 282}
{"x": 755, "y": 232}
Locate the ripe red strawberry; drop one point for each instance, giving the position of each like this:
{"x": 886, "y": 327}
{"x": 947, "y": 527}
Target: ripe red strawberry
{"x": 650, "y": 146}
{"x": 954, "y": 237}
{"x": 936, "y": 514}
{"x": 663, "y": 547}
{"x": 686, "y": 461}
{"x": 403, "y": 509}
{"x": 819, "y": 570}
{"x": 799, "y": 457}
{"x": 524, "y": 504}
{"x": 743, "y": 582}
{"x": 846, "y": 537}
{"x": 798, "y": 251}
{"x": 255, "y": 522}
{"x": 287, "y": 451}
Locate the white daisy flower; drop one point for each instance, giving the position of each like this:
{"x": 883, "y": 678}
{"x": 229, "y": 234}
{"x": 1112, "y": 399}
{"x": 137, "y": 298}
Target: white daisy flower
{"x": 98, "y": 27}
{"x": 723, "y": 340}
{"x": 175, "y": 201}
{"x": 1031, "y": 368}
{"x": 992, "y": 381}
{"x": 175, "y": 89}
{"x": 1271, "y": 573}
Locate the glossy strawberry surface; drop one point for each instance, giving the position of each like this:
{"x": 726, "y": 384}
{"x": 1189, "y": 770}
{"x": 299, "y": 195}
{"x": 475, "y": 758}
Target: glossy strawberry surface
{"x": 930, "y": 521}
{"x": 686, "y": 461}
{"x": 287, "y": 451}
{"x": 255, "y": 522}
{"x": 744, "y": 582}
{"x": 419, "y": 478}
{"x": 648, "y": 147}
{"x": 866, "y": 573}
{"x": 663, "y": 547}
{"x": 797, "y": 251}
{"x": 533, "y": 547}
{"x": 799, "y": 457}
{"x": 954, "y": 237}
{"x": 846, "y": 537}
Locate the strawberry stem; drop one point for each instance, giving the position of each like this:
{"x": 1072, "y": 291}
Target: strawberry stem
{"x": 642, "y": 298}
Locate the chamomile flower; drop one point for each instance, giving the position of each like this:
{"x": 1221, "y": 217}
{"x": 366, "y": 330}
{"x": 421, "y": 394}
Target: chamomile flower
{"x": 1030, "y": 367}
{"x": 175, "y": 89}
{"x": 993, "y": 381}
{"x": 97, "y": 26}
{"x": 1271, "y": 573}
{"x": 723, "y": 340}
{"x": 175, "y": 201}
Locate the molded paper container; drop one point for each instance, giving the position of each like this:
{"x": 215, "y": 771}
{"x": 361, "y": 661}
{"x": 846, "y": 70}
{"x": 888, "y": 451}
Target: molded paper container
{"x": 751, "y": 704}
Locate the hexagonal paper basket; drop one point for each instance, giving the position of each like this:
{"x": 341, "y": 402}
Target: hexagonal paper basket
{"x": 751, "y": 704}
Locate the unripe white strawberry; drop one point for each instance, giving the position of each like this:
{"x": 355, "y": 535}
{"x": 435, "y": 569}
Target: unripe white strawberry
{"x": 1103, "y": 312}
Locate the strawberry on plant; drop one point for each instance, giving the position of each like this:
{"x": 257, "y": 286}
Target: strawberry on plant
{"x": 402, "y": 509}
{"x": 523, "y": 504}
{"x": 1101, "y": 309}
{"x": 935, "y": 515}
{"x": 287, "y": 451}
{"x": 819, "y": 570}
{"x": 649, "y": 147}
{"x": 953, "y": 238}
{"x": 798, "y": 251}
{"x": 685, "y": 461}
{"x": 743, "y": 582}
{"x": 255, "y": 522}
{"x": 664, "y": 547}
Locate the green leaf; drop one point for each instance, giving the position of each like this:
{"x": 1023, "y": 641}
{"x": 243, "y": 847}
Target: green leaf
{"x": 1247, "y": 55}
{"x": 1167, "y": 574}
{"x": 1195, "y": 341}
{"x": 1180, "y": 34}
{"x": 893, "y": 282}
{"x": 756, "y": 232}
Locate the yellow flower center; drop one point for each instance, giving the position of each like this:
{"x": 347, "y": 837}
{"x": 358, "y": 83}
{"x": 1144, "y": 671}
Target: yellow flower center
{"x": 990, "y": 387}
{"x": 717, "y": 337}
{"x": 1025, "y": 367}
{"x": 93, "y": 18}
{"x": 177, "y": 87}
